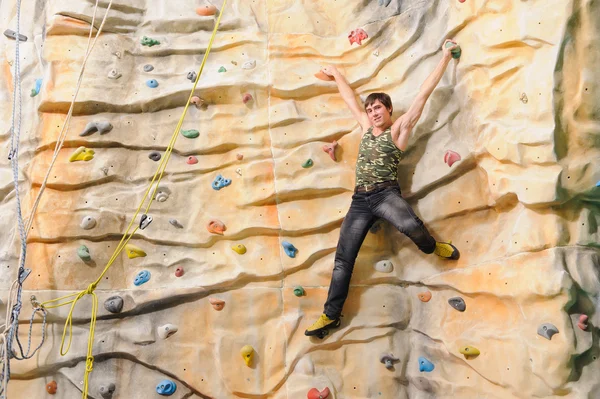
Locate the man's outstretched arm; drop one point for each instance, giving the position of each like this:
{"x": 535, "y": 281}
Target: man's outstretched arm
{"x": 407, "y": 122}
{"x": 348, "y": 96}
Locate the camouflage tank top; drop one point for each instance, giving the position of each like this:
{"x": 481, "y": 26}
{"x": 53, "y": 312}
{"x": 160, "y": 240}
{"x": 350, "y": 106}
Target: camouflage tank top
{"x": 378, "y": 158}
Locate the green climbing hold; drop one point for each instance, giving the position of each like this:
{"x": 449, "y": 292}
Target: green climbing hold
{"x": 299, "y": 291}
{"x": 222, "y": 69}
{"x": 456, "y": 52}
{"x": 84, "y": 253}
{"x": 190, "y": 134}
{"x": 308, "y": 163}
{"x": 146, "y": 41}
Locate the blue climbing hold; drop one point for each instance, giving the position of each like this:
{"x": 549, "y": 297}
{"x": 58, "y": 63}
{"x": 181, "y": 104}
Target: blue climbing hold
{"x": 425, "y": 365}
{"x": 290, "y": 249}
{"x": 38, "y": 87}
{"x": 598, "y": 184}
{"x": 166, "y": 388}
{"x": 142, "y": 277}
{"x": 220, "y": 182}
{"x": 152, "y": 83}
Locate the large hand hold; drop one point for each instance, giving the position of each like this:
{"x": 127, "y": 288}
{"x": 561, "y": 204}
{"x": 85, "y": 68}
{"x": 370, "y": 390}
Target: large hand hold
{"x": 215, "y": 226}
{"x": 289, "y": 248}
{"x": 82, "y": 154}
{"x": 93, "y": 127}
{"x": 547, "y": 330}
{"x": 166, "y": 388}
{"x": 357, "y": 36}
{"x": 247, "y": 353}
{"x": 134, "y": 252}
{"x": 315, "y": 394}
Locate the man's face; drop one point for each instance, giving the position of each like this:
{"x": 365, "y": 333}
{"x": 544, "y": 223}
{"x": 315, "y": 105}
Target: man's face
{"x": 378, "y": 114}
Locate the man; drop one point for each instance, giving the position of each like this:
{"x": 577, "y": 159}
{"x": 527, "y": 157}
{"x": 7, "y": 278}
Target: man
{"x": 377, "y": 193}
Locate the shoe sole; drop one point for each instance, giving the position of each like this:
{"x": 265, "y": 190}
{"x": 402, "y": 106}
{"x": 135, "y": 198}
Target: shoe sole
{"x": 455, "y": 253}
{"x": 321, "y": 330}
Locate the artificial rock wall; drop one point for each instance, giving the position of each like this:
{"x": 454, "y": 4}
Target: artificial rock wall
{"x": 521, "y": 107}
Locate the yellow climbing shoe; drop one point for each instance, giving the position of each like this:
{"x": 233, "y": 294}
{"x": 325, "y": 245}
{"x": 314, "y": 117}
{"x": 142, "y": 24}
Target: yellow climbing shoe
{"x": 321, "y": 326}
{"x": 446, "y": 250}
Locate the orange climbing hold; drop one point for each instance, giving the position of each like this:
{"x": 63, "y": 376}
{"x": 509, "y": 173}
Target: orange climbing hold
{"x": 206, "y": 11}
{"x": 323, "y": 76}
{"x": 217, "y": 303}
{"x": 424, "y": 296}
{"x": 330, "y": 149}
{"x": 450, "y": 157}
{"x": 215, "y": 226}
{"x": 197, "y": 101}
{"x": 315, "y": 394}
{"x": 239, "y": 157}
{"x": 51, "y": 387}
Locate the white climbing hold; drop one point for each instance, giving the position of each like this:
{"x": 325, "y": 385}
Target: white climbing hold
{"x": 249, "y": 64}
{"x": 117, "y": 54}
{"x": 384, "y": 266}
{"x": 114, "y": 74}
{"x": 175, "y": 223}
{"x": 376, "y": 53}
{"x": 88, "y": 223}
{"x": 238, "y": 171}
{"x": 167, "y": 330}
{"x": 162, "y": 196}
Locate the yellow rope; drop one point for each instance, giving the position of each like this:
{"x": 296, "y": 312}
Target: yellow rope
{"x": 89, "y": 364}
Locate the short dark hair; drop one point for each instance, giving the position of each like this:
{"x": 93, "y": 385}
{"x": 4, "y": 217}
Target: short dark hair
{"x": 382, "y": 97}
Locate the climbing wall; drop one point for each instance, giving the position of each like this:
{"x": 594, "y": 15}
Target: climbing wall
{"x": 520, "y": 109}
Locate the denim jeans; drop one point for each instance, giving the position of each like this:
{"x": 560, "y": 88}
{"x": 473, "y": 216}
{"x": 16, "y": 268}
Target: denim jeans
{"x": 365, "y": 209}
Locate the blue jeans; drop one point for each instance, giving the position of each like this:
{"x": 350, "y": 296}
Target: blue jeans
{"x": 366, "y": 207}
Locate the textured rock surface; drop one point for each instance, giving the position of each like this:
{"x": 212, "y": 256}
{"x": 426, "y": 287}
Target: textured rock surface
{"x": 520, "y": 107}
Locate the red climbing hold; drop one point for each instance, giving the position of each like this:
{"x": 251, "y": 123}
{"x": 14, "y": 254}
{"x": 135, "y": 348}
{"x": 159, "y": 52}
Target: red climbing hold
{"x": 450, "y": 157}
{"x": 461, "y": 1}
{"x": 357, "y": 36}
{"x": 239, "y": 156}
{"x": 583, "y": 322}
{"x": 191, "y": 160}
{"x": 315, "y": 394}
{"x": 330, "y": 149}
{"x": 179, "y": 272}
{"x": 215, "y": 226}
{"x": 51, "y": 387}
{"x": 246, "y": 97}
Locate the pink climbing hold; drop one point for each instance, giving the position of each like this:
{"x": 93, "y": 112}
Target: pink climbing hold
{"x": 583, "y": 322}
{"x": 218, "y": 304}
{"x": 461, "y": 1}
{"x": 450, "y": 157}
{"x": 179, "y": 272}
{"x": 239, "y": 157}
{"x": 330, "y": 149}
{"x": 246, "y": 97}
{"x": 215, "y": 226}
{"x": 197, "y": 101}
{"x": 192, "y": 160}
{"x": 315, "y": 394}
{"x": 357, "y": 36}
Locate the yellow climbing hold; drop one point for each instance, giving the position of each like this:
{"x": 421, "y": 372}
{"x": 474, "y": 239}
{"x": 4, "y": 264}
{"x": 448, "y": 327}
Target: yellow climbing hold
{"x": 134, "y": 252}
{"x": 239, "y": 248}
{"x": 82, "y": 154}
{"x": 469, "y": 351}
{"x": 247, "y": 353}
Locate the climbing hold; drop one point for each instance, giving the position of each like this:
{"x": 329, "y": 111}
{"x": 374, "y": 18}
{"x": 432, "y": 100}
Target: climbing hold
{"x": 323, "y": 76}
{"x": 82, "y": 154}
{"x": 117, "y": 54}
{"x": 175, "y": 223}
{"x": 376, "y": 53}
{"x": 315, "y": 394}
{"x": 206, "y": 11}
{"x": 234, "y": 63}
{"x": 152, "y": 83}
{"x": 192, "y": 76}
{"x": 222, "y": 69}
{"x": 246, "y": 97}
{"x": 598, "y": 183}
{"x": 458, "y": 303}
{"x": 134, "y": 252}
{"x": 290, "y": 249}
{"x": 247, "y": 353}
{"x": 388, "y": 359}
{"x": 220, "y": 182}
{"x": 51, "y": 387}
{"x": 308, "y": 163}
{"x": 524, "y": 98}
{"x": 239, "y": 248}
{"x": 384, "y": 2}
{"x": 547, "y": 330}
{"x": 146, "y": 41}
{"x": 215, "y": 226}
{"x": 166, "y": 331}
{"x": 299, "y": 291}
{"x": 239, "y": 157}
{"x": 179, "y": 271}
{"x": 456, "y": 52}
{"x": 162, "y": 196}
{"x": 166, "y": 388}
{"x": 238, "y": 171}
{"x": 425, "y": 365}
{"x": 100, "y": 127}
{"x": 11, "y": 34}
{"x": 461, "y": 1}
{"x": 142, "y": 277}
{"x": 148, "y": 68}
{"x": 197, "y": 101}
{"x": 88, "y": 223}
{"x": 330, "y": 149}
{"x": 384, "y": 266}
{"x": 357, "y": 36}
{"x": 155, "y": 156}
{"x": 114, "y": 304}
{"x": 114, "y": 74}
{"x": 145, "y": 221}
{"x": 107, "y": 390}
{"x": 84, "y": 253}
{"x": 249, "y": 64}
{"x": 217, "y": 303}
{"x": 190, "y": 134}
{"x": 450, "y": 157}
{"x": 38, "y": 87}
{"x": 191, "y": 160}
{"x": 424, "y": 296}
{"x": 469, "y": 351}
{"x": 582, "y": 322}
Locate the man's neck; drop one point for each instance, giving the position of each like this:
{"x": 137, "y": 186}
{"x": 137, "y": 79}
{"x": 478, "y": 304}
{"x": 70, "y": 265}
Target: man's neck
{"x": 378, "y": 130}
